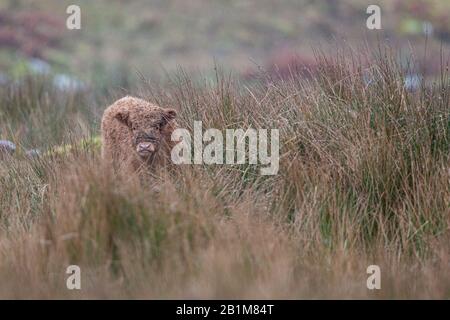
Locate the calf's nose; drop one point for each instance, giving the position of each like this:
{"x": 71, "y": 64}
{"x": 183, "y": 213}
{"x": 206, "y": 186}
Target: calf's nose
{"x": 146, "y": 146}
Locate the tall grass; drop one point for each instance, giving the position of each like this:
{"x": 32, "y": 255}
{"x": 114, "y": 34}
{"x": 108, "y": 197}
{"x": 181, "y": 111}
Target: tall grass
{"x": 364, "y": 179}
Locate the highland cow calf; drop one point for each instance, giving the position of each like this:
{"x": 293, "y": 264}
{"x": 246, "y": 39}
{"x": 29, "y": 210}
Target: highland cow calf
{"x": 137, "y": 134}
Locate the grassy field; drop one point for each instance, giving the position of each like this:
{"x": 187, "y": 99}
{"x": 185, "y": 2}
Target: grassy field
{"x": 364, "y": 179}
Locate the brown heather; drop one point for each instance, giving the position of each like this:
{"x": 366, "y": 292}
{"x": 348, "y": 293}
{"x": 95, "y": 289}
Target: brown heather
{"x": 364, "y": 179}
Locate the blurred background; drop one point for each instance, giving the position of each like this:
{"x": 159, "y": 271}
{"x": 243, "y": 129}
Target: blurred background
{"x": 120, "y": 40}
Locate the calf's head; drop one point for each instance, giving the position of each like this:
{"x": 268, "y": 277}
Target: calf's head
{"x": 149, "y": 127}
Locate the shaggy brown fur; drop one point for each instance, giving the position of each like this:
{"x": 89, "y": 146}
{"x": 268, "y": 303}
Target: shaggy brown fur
{"x": 136, "y": 134}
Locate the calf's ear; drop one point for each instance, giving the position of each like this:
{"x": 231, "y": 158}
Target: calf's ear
{"x": 124, "y": 117}
{"x": 169, "y": 114}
